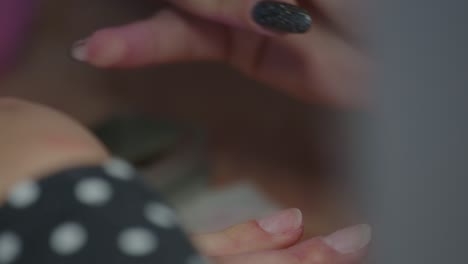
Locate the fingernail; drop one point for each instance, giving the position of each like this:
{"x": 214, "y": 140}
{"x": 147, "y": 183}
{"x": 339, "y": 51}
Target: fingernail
{"x": 350, "y": 240}
{"x": 282, "y": 222}
{"x": 282, "y": 17}
{"x": 79, "y": 51}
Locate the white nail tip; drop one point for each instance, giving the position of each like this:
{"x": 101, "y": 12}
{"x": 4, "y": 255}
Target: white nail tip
{"x": 350, "y": 240}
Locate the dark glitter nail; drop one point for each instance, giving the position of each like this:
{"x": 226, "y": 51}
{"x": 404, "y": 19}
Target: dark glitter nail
{"x": 282, "y": 17}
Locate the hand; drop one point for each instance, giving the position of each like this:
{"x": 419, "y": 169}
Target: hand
{"x": 325, "y": 64}
{"x": 275, "y": 241}
{"x": 36, "y": 141}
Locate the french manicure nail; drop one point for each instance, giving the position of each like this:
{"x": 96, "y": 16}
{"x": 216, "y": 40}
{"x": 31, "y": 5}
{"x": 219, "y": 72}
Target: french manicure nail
{"x": 350, "y": 240}
{"x": 282, "y": 17}
{"x": 282, "y": 222}
{"x": 79, "y": 51}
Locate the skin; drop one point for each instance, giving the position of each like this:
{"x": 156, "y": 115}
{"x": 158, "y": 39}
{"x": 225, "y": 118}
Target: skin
{"x": 37, "y": 140}
{"x": 324, "y": 65}
{"x": 327, "y": 65}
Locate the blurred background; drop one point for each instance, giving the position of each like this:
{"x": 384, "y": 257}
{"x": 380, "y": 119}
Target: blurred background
{"x": 222, "y": 148}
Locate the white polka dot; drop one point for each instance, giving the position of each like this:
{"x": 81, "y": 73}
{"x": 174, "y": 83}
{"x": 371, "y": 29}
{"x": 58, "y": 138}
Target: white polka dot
{"x": 137, "y": 242}
{"x": 119, "y": 169}
{"x": 24, "y": 194}
{"x": 93, "y": 191}
{"x": 160, "y": 215}
{"x": 68, "y": 238}
{"x": 10, "y": 247}
{"x": 196, "y": 259}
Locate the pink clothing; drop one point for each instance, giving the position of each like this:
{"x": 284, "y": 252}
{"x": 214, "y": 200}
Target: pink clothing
{"x": 15, "y": 16}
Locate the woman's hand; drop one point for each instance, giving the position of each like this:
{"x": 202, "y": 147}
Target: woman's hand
{"x": 275, "y": 240}
{"x": 324, "y": 63}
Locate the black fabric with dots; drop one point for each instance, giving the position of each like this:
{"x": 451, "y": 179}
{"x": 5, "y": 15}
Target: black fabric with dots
{"x": 103, "y": 214}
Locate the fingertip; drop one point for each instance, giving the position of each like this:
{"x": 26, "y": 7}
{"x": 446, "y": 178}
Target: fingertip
{"x": 278, "y": 231}
{"x": 104, "y": 48}
{"x": 348, "y": 245}
{"x": 282, "y": 222}
{"x": 350, "y": 240}
{"x": 79, "y": 51}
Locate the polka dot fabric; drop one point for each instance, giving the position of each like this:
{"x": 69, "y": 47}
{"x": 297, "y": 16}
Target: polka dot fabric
{"x": 102, "y": 214}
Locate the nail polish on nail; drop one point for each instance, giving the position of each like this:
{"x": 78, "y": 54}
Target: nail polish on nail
{"x": 282, "y": 222}
{"x": 350, "y": 240}
{"x": 79, "y": 51}
{"x": 282, "y": 17}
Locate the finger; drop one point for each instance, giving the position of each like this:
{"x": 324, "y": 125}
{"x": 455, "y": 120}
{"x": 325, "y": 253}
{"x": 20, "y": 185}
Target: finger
{"x": 347, "y": 246}
{"x": 264, "y": 17}
{"x": 165, "y": 38}
{"x": 275, "y": 232}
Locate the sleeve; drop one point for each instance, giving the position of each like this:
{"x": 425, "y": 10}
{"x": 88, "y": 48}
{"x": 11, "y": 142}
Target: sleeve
{"x": 101, "y": 214}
